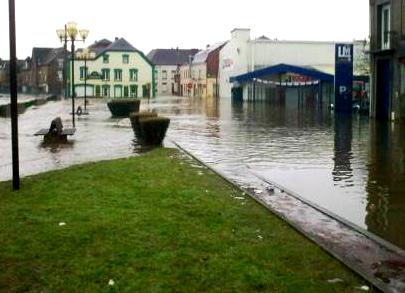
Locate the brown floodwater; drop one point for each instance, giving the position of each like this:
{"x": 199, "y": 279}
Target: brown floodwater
{"x": 352, "y": 166}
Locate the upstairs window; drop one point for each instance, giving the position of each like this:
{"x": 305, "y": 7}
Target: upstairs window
{"x": 164, "y": 74}
{"x": 106, "y": 58}
{"x": 117, "y": 74}
{"x": 384, "y": 19}
{"x": 133, "y": 74}
{"x": 125, "y": 59}
{"x": 83, "y": 72}
{"x": 105, "y": 74}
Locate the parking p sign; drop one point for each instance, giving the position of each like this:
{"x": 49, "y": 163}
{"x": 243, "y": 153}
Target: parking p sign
{"x": 343, "y": 77}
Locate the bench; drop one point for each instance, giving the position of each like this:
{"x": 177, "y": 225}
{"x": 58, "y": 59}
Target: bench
{"x": 56, "y": 133}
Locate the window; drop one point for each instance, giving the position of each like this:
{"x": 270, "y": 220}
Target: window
{"x": 133, "y": 74}
{"x": 83, "y": 72}
{"x": 117, "y": 74}
{"x": 164, "y": 87}
{"x": 384, "y": 26}
{"x": 105, "y": 74}
{"x": 173, "y": 73}
{"x": 133, "y": 90}
{"x": 60, "y": 63}
{"x": 106, "y": 58}
{"x": 164, "y": 74}
{"x": 125, "y": 59}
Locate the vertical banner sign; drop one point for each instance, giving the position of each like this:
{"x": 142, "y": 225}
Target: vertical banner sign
{"x": 343, "y": 77}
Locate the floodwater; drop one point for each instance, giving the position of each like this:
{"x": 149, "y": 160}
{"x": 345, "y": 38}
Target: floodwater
{"x": 351, "y": 165}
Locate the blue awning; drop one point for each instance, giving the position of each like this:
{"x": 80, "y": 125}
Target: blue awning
{"x": 280, "y": 69}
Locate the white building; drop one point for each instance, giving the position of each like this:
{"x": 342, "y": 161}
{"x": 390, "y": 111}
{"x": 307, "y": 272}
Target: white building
{"x": 241, "y": 55}
{"x": 167, "y": 68}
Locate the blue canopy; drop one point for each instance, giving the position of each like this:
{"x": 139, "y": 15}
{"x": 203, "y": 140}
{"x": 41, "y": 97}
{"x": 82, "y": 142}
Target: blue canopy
{"x": 280, "y": 69}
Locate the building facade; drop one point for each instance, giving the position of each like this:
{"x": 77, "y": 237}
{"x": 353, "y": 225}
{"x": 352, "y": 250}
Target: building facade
{"x": 186, "y": 82}
{"x": 387, "y": 42}
{"x": 167, "y": 68}
{"x": 44, "y": 73}
{"x": 4, "y": 76}
{"x": 113, "y": 70}
{"x": 242, "y": 54}
{"x": 204, "y": 72}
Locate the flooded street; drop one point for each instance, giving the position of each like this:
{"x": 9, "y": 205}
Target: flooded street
{"x": 351, "y": 166}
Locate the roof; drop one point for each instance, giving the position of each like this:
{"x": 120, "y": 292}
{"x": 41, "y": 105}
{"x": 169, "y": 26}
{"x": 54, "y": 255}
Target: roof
{"x": 121, "y": 45}
{"x": 263, "y": 38}
{"x": 202, "y": 56}
{"x": 171, "y": 56}
{"x": 99, "y": 46}
{"x": 283, "y": 68}
{"x": 44, "y": 56}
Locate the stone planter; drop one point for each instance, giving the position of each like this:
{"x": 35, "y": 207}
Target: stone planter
{"x": 123, "y": 107}
{"x": 153, "y": 130}
{"x": 134, "y": 117}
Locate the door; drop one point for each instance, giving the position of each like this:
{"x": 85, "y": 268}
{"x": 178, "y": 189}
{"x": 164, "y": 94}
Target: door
{"x": 106, "y": 91}
{"x": 117, "y": 92}
{"x": 97, "y": 91}
{"x": 383, "y": 88}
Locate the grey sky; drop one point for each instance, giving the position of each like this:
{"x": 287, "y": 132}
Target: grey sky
{"x": 149, "y": 24}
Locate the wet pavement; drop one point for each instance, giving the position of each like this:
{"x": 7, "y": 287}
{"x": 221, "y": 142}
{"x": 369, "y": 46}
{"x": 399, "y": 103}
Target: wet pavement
{"x": 350, "y": 166}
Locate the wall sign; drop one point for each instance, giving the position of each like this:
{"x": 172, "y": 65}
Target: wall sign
{"x": 343, "y": 77}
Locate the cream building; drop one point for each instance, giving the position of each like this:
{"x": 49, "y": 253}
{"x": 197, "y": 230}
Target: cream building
{"x": 114, "y": 70}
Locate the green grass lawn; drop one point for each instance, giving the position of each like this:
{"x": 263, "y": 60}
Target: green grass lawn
{"x": 152, "y": 223}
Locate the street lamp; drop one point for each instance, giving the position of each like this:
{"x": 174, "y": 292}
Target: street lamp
{"x": 71, "y": 35}
{"x": 85, "y": 55}
{"x": 62, "y": 34}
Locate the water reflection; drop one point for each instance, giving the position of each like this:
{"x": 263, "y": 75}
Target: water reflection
{"x": 342, "y": 170}
{"x": 385, "y": 185}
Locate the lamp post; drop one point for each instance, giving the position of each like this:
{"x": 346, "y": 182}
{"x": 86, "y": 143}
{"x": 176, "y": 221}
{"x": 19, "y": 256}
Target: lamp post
{"x": 71, "y": 35}
{"x": 62, "y": 34}
{"x": 85, "y": 55}
{"x": 13, "y": 96}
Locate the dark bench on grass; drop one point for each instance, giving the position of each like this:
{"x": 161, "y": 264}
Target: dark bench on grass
{"x": 56, "y": 133}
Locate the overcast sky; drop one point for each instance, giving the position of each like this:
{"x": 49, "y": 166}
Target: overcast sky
{"x": 149, "y": 24}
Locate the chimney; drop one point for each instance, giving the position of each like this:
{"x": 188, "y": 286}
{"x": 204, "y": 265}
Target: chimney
{"x": 116, "y": 38}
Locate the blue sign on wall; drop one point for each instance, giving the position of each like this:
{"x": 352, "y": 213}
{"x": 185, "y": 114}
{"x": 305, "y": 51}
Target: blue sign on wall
{"x": 343, "y": 77}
